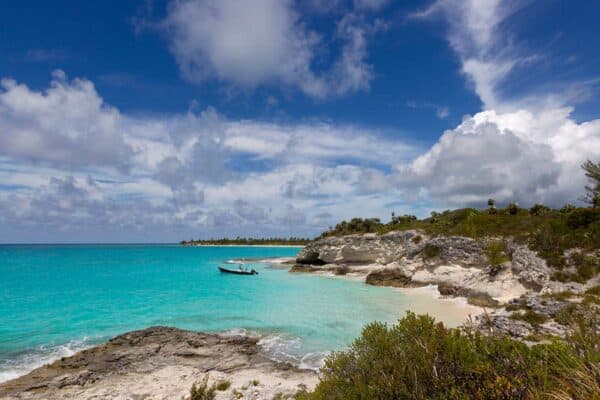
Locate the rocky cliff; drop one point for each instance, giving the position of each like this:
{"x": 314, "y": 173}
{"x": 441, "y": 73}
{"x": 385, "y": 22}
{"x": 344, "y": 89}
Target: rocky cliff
{"x": 489, "y": 272}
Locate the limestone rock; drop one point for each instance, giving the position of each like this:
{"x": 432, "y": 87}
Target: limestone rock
{"x": 157, "y": 363}
{"x": 455, "y": 260}
{"x": 391, "y": 277}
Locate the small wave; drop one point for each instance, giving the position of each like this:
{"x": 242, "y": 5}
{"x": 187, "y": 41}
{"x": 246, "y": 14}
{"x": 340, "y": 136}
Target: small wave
{"x": 288, "y": 349}
{"x": 281, "y": 348}
{"x": 313, "y": 361}
{"x": 25, "y": 362}
{"x": 239, "y": 332}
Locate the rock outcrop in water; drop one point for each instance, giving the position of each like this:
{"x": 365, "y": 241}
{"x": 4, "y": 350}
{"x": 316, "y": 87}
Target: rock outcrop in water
{"x": 161, "y": 363}
{"x": 459, "y": 266}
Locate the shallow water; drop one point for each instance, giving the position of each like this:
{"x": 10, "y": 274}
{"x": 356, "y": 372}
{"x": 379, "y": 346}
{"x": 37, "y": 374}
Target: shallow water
{"x": 57, "y": 299}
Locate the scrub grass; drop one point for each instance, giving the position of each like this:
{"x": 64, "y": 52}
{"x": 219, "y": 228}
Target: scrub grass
{"x": 419, "y": 358}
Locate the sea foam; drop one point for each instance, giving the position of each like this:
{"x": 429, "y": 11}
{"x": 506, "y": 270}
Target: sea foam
{"x": 25, "y": 362}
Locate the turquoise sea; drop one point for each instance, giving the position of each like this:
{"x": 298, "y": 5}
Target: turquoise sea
{"x": 57, "y": 299}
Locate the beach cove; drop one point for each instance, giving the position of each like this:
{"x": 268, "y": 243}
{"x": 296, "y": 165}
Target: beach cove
{"x": 59, "y": 299}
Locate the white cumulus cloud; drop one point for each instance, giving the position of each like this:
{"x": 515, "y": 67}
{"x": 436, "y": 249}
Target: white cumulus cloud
{"x": 67, "y": 126}
{"x": 264, "y": 42}
{"x": 518, "y": 156}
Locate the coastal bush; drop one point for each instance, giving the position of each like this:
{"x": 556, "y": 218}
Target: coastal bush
{"x": 531, "y": 317}
{"x": 430, "y": 251}
{"x": 223, "y": 385}
{"x": 567, "y": 208}
{"x": 512, "y": 209}
{"x": 495, "y": 252}
{"x": 583, "y": 217}
{"x": 588, "y": 299}
{"x": 594, "y": 290}
{"x": 561, "y": 296}
{"x": 355, "y": 226}
{"x": 539, "y": 209}
{"x": 585, "y": 268}
{"x": 419, "y": 359}
{"x": 202, "y": 391}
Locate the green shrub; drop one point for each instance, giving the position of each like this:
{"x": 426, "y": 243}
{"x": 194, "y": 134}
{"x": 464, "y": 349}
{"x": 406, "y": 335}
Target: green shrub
{"x": 561, "y": 296}
{"x": 539, "y": 209}
{"x": 417, "y": 239}
{"x": 583, "y": 217}
{"x": 430, "y": 251}
{"x": 420, "y": 359}
{"x": 587, "y": 267}
{"x": 512, "y": 209}
{"x": 594, "y": 290}
{"x": 531, "y": 317}
{"x": 514, "y": 307}
{"x": 495, "y": 252}
{"x": 202, "y": 391}
{"x": 588, "y": 299}
{"x": 567, "y": 208}
{"x": 561, "y": 276}
{"x": 223, "y": 385}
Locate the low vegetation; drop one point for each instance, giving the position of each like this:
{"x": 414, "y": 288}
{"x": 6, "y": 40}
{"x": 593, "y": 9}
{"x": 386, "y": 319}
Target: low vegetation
{"x": 202, "y": 391}
{"x": 223, "y": 385}
{"x": 292, "y": 241}
{"x": 495, "y": 252}
{"x": 430, "y": 252}
{"x": 595, "y": 290}
{"x": 550, "y": 233}
{"x": 531, "y": 317}
{"x": 418, "y": 358}
{"x": 561, "y": 296}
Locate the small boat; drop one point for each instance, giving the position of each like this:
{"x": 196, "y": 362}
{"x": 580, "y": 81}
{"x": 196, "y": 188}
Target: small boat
{"x": 239, "y": 271}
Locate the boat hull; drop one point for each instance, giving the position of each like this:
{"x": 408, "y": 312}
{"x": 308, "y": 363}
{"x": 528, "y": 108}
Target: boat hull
{"x": 237, "y": 272}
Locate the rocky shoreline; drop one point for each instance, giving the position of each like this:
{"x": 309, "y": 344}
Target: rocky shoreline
{"x": 512, "y": 285}
{"x": 162, "y": 363}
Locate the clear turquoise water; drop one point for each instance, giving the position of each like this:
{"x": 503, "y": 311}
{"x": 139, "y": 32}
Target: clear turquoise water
{"x": 56, "y": 299}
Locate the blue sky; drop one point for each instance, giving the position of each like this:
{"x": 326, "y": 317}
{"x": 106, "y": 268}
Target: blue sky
{"x": 164, "y": 120}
